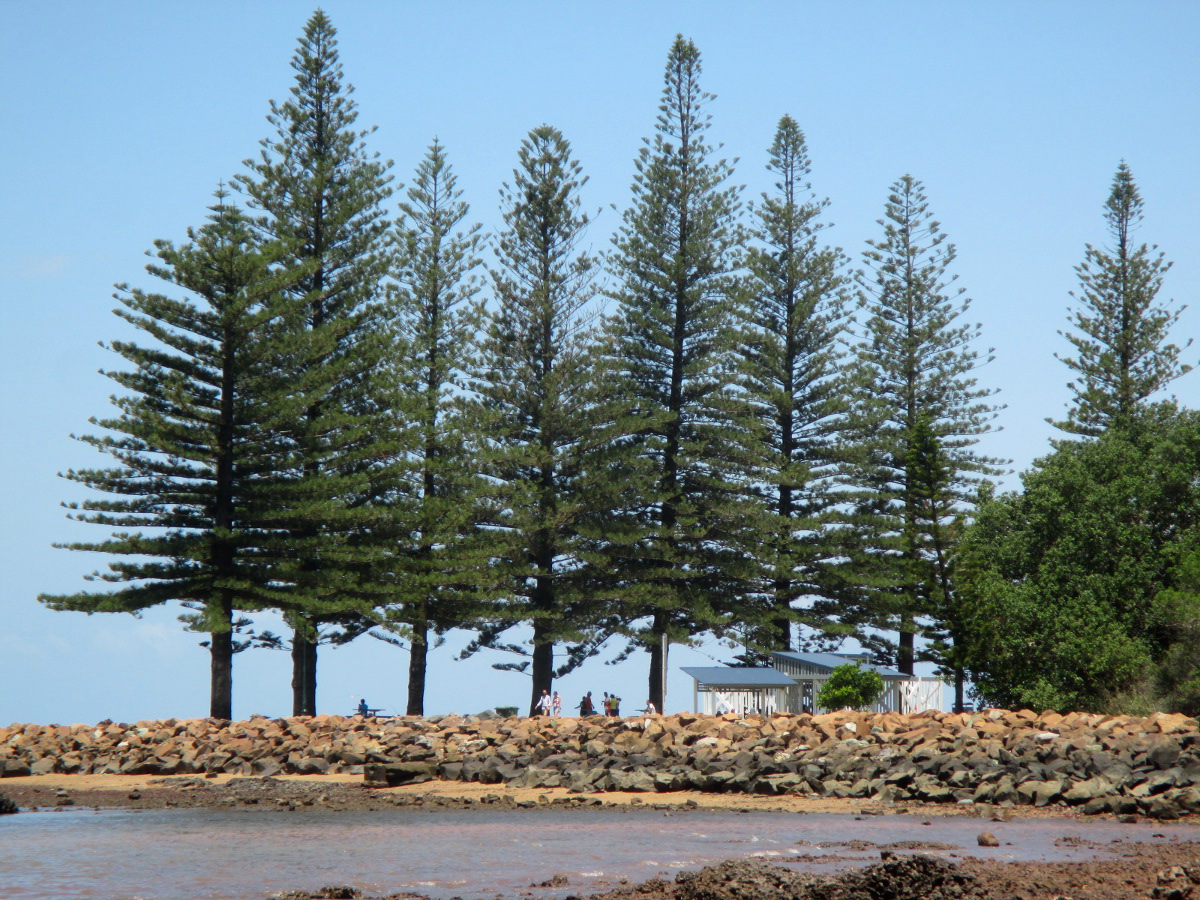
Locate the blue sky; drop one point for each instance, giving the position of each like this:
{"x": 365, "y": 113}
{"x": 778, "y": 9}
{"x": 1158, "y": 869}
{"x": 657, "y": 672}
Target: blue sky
{"x": 119, "y": 119}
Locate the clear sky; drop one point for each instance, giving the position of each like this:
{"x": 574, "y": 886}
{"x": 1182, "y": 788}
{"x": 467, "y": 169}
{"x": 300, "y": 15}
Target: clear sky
{"x": 119, "y": 119}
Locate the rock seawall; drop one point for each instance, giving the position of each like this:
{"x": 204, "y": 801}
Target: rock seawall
{"x": 1099, "y": 763}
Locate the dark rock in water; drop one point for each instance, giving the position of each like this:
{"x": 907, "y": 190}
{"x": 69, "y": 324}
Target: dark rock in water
{"x": 987, "y": 839}
{"x": 332, "y": 892}
{"x": 903, "y": 878}
{"x": 741, "y": 880}
{"x": 558, "y": 880}
{"x": 7, "y": 807}
{"x": 392, "y": 774}
{"x": 897, "y": 878}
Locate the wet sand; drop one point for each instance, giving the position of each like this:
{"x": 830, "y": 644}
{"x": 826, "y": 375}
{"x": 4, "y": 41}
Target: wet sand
{"x": 349, "y": 792}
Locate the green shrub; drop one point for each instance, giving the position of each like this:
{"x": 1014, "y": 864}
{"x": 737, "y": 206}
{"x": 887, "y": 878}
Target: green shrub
{"x": 850, "y": 687}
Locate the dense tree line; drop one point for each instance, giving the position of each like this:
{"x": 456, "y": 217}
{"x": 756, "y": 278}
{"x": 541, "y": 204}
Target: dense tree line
{"x": 1080, "y": 591}
{"x": 391, "y": 423}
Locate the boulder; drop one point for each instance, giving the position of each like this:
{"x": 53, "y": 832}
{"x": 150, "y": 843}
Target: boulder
{"x": 379, "y": 775}
{"x": 13, "y": 768}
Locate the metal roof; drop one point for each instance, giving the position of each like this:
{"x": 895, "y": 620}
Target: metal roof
{"x": 831, "y": 661}
{"x": 733, "y": 677}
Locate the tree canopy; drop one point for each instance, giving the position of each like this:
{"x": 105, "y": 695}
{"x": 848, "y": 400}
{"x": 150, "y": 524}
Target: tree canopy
{"x": 1073, "y": 586}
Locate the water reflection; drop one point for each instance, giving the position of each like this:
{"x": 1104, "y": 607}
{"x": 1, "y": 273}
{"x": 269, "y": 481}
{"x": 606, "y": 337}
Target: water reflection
{"x": 241, "y": 854}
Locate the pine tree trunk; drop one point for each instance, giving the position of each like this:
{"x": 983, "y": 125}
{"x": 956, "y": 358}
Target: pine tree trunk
{"x": 543, "y": 664}
{"x": 959, "y": 679}
{"x": 781, "y": 627}
{"x": 220, "y": 646}
{"x": 304, "y": 676}
{"x": 418, "y": 655}
{"x": 906, "y": 645}
{"x": 656, "y": 692}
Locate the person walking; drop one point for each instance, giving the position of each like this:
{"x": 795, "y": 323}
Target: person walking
{"x": 556, "y": 705}
{"x": 544, "y": 704}
{"x": 586, "y": 706}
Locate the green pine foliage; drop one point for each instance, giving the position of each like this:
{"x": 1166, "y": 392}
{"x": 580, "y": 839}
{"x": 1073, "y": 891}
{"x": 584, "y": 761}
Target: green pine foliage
{"x": 203, "y": 471}
{"x": 321, "y": 193}
{"x": 538, "y": 399}
{"x": 934, "y": 533}
{"x": 1122, "y": 356}
{"x": 678, "y": 543}
{"x": 791, "y": 377}
{"x": 914, "y": 363}
{"x": 432, "y": 575}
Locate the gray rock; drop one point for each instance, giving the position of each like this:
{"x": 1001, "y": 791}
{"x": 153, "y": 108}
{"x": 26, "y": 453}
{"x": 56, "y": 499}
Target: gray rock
{"x": 1164, "y": 754}
{"x": 1088, "y": 790}
{"x": 13, "y": 768}
{"x": 380, "y": 775}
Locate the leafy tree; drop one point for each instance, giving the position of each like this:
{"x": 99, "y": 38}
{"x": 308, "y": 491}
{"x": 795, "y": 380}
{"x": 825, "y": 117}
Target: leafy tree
{"x": 201, "y": 471}
{"x": 537, "y": 389}
{"x": 1077, "y": 589}
{"x": 436, "y": 319}
{"x": 914, "y": 364}
{"x": 321, "y": 193}
{"x": 850, "y": 687}
{"x": 678, "y": 542}
{"x": 797, "y": 294}
{"x": 1120, "y": 330}
{"x": 1175, "y": 620}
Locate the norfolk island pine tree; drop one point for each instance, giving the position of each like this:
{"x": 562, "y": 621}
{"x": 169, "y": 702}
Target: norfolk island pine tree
{"x": 202, "y": 472}
{"x": 1120, "y": 333}
{"x": 438, "y": 562}
{"x": 319, "y": 190}
{"x": 678, "y": 542}
{"x": 790, "y": 374}
{"x": 539, "y": 408}
{"x": 913, "y": 361}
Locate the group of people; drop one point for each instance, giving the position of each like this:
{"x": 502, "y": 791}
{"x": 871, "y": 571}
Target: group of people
{"x": 609, "y": 706}
{"x": 551, "y": 705}
{"x": 548, "y": 705}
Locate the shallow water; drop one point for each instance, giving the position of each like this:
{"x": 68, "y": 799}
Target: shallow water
{"x": 192, "y": 854}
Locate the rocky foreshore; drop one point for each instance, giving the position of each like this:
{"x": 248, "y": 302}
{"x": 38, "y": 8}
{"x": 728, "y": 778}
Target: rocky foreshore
{"x": 1099, "y": 764}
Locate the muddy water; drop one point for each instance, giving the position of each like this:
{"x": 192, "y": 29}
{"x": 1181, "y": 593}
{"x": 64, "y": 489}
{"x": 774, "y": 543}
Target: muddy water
{"x": 241, "y": 854}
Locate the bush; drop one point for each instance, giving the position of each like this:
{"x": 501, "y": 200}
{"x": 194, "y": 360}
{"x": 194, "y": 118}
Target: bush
{"x": 850, "y": 687}
{"x": 6, "y": 805}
